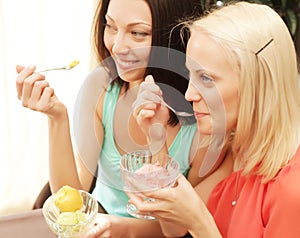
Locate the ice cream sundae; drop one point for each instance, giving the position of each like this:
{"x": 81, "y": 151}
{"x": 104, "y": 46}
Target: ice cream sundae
{"x": 142, "y": 172}
{"x": 70, "y": 212}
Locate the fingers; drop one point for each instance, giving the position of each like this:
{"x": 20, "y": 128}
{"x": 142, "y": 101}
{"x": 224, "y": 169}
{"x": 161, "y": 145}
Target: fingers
{"x": 162, "y": 194}
{"x": 144, "y": 111}
{"x": 34, "y": 92}
{"x": 147, "y": 206}
{"x": 38, "y": 89}
{"x": 19, "y": 68}
{"x": 143, "y": 206}
{"x": 102, "y": 227}
{"x": 148, "y": 100}
{"x": 149, "y": 85}
{"x": 23, "y": 74}
{"x": 149, "y": 79}
{"x": 45, "y": 100}
{"x": 135, "y": 198}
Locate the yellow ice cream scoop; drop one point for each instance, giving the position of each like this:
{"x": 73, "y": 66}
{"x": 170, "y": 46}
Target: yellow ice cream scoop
{"x": 68, "y": 199}
{"x": 73, "y": 63}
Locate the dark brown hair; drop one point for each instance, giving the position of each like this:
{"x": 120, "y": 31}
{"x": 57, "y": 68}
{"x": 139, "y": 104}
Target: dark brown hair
{"x": 166, "y": 14}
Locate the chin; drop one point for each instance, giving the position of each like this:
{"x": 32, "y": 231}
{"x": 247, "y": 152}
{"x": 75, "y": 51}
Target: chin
{"x": 204, "y": 130}
{"x": 132, "y": 75}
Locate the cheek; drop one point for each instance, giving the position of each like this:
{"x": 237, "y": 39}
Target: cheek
{"x": 223, "y": 106}
{"x": 142, "y": 52}
{"x": 231, "y": 107}
{"x": 108, "y": 41}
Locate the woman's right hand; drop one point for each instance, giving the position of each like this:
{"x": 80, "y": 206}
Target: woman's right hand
{"x": 147, "y": 108}
{"x": 35, "y": 93}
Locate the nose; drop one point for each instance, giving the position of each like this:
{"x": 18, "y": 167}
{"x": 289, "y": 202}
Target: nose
{"x": 192, "y": 94}
{"x": 120, "y": 44}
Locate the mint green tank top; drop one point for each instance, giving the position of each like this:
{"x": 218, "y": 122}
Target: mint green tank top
{"x": 108, "y": 190}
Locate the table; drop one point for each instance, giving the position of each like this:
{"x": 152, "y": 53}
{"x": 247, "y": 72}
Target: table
{"x": 30, "y": 224}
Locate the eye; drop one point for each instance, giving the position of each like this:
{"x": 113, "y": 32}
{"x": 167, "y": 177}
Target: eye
{"x": 206, "y": 79}
{"x": 139, "y": 34}
{"x": 110, "y": 28}
{"x": 201, "y": 77}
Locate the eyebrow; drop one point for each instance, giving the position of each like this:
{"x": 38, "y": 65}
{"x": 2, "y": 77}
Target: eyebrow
{"x": 200, "y": 69}
{"x": 133, "y": 23}
{"x": 194, "y": 66}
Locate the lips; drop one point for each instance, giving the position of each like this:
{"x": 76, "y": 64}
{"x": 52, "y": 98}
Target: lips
{"x": 201, "y": 114}
{"x": 126, "y": 64}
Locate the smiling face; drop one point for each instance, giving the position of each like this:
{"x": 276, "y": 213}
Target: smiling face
{"x": 213, "y": 86}
{"x": 128, "y": 37}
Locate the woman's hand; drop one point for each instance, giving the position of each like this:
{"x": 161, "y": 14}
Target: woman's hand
{"x": 35, "y": 93}
{"x": 150, "y": 115}
{"x": 172, "y": 206}
{"x": 147, "y": 108}
{"x": 107, "y": 226}
{"x": 119, "y": 227}
{"x": 171, "y": 203}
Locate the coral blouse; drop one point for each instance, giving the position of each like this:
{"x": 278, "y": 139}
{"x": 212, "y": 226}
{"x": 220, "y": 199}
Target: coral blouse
{"x": 270, "y": 210}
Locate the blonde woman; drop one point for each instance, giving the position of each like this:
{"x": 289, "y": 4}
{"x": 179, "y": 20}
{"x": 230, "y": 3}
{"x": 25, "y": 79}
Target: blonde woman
{"x": 242, "y": 54}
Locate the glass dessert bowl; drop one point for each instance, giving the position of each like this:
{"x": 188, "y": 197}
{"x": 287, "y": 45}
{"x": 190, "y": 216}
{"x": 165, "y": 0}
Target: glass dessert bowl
{"x": 142, "y": 172}
{"x": 67, "y": 224}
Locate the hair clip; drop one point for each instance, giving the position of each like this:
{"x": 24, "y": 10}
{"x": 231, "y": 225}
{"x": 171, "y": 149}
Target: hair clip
{"x": 263, "y": 47}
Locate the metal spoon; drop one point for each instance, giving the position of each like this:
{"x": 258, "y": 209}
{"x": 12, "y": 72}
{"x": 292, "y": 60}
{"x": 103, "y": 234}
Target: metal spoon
{"x": 67, "y": 67}
{"x": 178, "y": 113}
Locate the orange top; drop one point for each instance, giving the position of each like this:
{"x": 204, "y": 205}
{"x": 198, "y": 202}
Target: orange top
{"x": 270, "y": 210}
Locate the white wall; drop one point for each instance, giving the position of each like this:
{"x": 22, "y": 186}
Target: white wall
{"x": 47, "y": 34}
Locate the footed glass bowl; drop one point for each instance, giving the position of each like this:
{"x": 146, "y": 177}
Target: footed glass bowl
{"x": 142, "y": 172}
{"x": 71, "y": 224}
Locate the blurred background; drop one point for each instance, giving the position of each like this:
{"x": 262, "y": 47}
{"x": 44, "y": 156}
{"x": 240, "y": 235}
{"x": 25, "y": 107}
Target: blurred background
{"x": 46, "y": 34}
{"x": 289, "y": 10}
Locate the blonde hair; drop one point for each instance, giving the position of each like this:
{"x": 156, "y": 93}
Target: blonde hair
{"x": 260, "y": 45}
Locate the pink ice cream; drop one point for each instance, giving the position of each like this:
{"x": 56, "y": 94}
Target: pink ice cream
{"x": 151, "y": 176}
{"x": 154, "y": 169}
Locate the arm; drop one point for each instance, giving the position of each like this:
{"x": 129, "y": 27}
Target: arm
{"x": 36, "y": 94}
{"x": 87, "y": 124}
{"x": 62, "y": 164}
{"x": 281, "y": 206}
